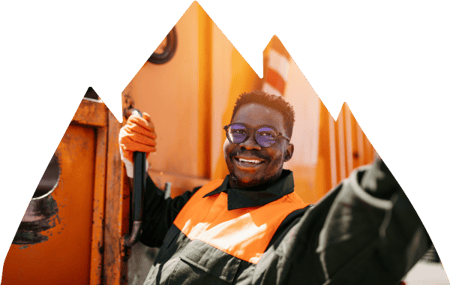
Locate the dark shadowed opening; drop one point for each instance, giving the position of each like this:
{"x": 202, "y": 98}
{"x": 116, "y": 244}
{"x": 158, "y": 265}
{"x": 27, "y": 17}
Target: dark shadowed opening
{"x": 49, "y": 180}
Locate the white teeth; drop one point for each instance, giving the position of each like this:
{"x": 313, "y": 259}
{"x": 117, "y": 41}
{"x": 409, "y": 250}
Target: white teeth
{"x": 248, "y": 160}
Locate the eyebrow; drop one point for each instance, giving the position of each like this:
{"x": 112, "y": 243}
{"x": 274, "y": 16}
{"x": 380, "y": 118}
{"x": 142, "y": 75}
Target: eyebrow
{"x": 258, "y": 127}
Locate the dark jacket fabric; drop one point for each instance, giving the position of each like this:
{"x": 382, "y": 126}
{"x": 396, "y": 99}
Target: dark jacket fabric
{"x": 364, "y": 231}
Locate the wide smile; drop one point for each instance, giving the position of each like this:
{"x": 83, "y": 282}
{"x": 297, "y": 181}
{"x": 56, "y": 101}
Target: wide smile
{"x": 248, "y": 162}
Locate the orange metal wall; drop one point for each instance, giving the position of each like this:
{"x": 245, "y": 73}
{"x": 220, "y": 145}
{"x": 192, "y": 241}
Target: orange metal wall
{"x": 189, "y": 98}
{"x": 84, "y": 245}
{"x": 342, "y": 147}
{"x": 65, "y": 258}
{"x": 172, "y": 91}
{"x": 192, "y": 96}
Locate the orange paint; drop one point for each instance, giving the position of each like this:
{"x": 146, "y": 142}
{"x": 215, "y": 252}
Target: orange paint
{"x": 342, "y": 147}
{"x": 192, "y": 97}
{"x": 65, "y": 258}
{"x": 82, "y": 248}
{"x": 204, "y": 93}
{"x": 114, "y": 269}
{"x": 97, "y": 245}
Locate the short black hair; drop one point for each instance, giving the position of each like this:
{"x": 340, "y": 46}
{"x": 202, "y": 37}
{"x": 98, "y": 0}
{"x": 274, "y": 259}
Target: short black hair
{"x": 272, "y": 101}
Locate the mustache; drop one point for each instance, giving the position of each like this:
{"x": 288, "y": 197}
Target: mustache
{"x": 250, "y": 153}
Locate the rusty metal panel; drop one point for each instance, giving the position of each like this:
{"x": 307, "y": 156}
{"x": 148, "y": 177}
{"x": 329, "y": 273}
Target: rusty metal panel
{"x": 98, "y": 208}
{"x": 91, "y": 113}
{"x": 113, "y": 271}
{"x": 66, "y": 245}
{"x": 64, "y": 256}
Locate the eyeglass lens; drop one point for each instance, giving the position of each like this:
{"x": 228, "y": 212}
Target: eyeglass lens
{"x": 264, "y": 136}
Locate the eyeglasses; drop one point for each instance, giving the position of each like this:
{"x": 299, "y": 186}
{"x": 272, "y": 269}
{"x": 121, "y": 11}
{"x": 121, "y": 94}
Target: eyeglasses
{"x": 264, "y": 136}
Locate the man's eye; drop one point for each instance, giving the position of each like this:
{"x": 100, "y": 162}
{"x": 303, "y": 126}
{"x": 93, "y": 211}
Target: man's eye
{"x": 267, "y": 134}
{"x": 238, "y": 132}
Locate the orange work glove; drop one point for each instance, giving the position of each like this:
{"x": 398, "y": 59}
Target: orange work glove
{"x": 138, "y": 134}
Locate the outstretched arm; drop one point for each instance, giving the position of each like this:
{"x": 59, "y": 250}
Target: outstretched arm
{"x": 372, "y": 234}
{"x": 365, "y": 231}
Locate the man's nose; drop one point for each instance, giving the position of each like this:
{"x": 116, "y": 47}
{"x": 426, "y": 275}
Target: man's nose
{"x": 250, "y": 143}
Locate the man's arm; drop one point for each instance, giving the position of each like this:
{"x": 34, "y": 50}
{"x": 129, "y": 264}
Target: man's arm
{"x": 372, "y": 232}
{"x": 159, "y": 213}
{"x": 365, "y": 231}
{"x": 138, "y": 134}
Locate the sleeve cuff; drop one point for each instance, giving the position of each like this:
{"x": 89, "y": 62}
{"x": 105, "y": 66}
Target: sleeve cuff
{"x": 363, "y": 195}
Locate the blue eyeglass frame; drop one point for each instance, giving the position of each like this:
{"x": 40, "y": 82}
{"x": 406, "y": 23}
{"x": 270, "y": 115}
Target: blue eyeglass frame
{"x": 248, "y": 129}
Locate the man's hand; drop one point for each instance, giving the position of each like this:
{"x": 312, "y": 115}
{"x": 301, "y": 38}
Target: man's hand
{"x": 138, "y": 134}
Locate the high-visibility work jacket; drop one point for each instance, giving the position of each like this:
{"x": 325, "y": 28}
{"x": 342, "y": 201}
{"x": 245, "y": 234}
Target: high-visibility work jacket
{"x": 242, "y": 233}
{"x": 349, "y": 237}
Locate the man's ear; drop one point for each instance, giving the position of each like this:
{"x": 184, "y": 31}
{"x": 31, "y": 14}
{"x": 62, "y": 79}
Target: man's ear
{"x": 289, "y": 152}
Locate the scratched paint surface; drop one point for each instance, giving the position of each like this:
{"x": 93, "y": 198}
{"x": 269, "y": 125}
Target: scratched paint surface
{"x": 40, "y": 217}
{"x": 64, "y": 258}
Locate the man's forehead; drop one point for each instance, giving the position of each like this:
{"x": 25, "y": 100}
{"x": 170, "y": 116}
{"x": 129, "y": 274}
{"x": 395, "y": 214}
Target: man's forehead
{"x": 256, "y": 114}
{"x": 254, "y": 107}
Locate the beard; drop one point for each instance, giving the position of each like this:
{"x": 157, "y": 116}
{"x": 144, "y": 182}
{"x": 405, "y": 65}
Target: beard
{"x": 272, "y": 172}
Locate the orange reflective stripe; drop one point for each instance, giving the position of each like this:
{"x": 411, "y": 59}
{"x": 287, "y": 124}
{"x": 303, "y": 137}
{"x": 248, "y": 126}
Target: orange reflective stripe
{"x": 244, "y": 233}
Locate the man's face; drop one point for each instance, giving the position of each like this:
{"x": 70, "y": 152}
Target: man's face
{"x": 269, "y": 160}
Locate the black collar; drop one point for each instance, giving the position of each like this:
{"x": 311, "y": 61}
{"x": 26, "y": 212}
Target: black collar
{"x": 241, "y": 198}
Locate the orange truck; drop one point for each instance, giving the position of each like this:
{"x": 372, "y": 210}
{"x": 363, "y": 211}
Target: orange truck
{"x": 74, "y": 229}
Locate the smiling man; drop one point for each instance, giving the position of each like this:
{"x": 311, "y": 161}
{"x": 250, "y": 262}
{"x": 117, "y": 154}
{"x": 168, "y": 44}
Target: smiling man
{"x": 258, "y": 140}
{"x": 252, "y": 228}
